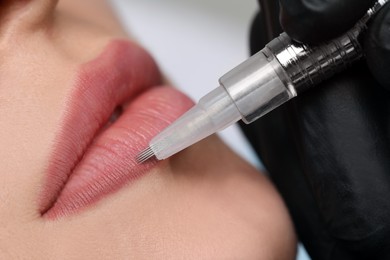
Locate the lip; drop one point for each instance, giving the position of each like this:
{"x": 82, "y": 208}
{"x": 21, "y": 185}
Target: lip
{"x": 93, "y": 158}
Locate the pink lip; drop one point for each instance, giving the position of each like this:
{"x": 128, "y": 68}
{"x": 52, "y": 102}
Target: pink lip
{"x": 92, "y": 160}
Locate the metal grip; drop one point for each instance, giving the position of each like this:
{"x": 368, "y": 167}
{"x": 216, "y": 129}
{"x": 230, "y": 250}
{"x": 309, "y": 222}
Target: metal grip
{"x": 306, "y": 66}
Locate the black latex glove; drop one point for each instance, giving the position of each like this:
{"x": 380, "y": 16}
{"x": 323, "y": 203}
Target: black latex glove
{"x": 328, "y": 151}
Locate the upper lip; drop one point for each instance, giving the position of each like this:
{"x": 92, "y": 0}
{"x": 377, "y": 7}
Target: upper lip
{"x": 88, "y": 160}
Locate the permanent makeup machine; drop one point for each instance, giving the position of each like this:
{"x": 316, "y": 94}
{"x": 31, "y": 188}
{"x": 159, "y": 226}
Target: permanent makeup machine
{"x": 282, "y": 70}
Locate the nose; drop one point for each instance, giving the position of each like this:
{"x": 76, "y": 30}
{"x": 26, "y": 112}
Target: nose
{"x": 25, "y": 13}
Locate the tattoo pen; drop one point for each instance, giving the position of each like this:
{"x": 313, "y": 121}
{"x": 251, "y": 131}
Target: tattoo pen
{"x": 276, "y": 74}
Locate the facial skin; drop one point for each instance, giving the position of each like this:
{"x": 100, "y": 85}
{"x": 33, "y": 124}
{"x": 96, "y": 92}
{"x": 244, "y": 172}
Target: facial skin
{"x": 204, "y": 203}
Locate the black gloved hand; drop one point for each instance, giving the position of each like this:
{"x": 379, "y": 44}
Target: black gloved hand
{"x": 328, "y": 151}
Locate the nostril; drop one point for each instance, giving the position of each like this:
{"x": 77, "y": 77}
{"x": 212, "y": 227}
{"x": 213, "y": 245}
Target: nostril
{"x": 27, "y": 13}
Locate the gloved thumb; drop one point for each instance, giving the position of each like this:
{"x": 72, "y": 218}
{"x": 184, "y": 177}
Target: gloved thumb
{"x": 377, "y": 47}
{"x": 313, "y": 22}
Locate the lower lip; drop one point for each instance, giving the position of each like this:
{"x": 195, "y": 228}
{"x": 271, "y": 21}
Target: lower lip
{"x": 92, "y": 171}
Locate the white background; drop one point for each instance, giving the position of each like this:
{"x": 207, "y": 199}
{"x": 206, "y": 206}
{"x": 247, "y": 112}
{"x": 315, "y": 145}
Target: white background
{"x": 195, "y": 42}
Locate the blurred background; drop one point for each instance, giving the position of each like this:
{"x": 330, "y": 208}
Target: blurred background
{"x": 195, "y": 42}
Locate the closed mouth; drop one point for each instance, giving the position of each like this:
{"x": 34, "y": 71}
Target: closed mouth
{"x": 117, "y": 105}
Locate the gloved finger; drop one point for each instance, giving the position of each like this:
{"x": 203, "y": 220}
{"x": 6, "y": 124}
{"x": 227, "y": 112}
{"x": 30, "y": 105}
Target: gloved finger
{"x": 340, "y": 129}
{"x": 377, "y": 47}
{"x": 268, "y": 21}
{"x": 313, "y": 22}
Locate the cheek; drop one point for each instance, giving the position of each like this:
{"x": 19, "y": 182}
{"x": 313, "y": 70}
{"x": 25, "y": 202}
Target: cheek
{"x": 32, "y": 94}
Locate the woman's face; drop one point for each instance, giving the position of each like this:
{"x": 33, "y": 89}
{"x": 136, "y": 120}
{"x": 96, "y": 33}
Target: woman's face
{"x": 77, "y": 103}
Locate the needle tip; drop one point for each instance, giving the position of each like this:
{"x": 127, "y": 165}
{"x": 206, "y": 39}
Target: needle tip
{"x": 145, "y": 155}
